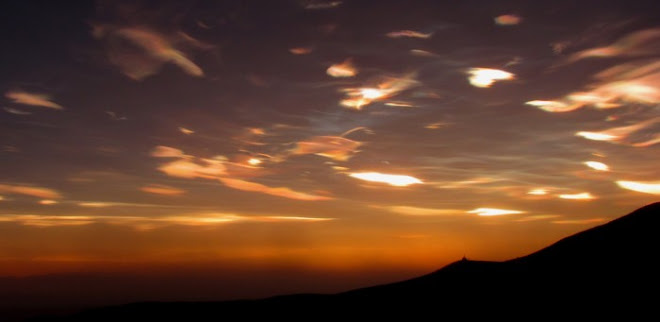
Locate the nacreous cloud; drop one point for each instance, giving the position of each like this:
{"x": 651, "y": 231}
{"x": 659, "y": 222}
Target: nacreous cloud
{"x": 651, "y": 187}
{"x": 391, "y": 179}
{"x": 164, "y": 190}
{"x": 487, "y": 212}
{"x": 219, "y": 168}
{"x": 25, "y": 98}
{"x": 333, "y": 147}
{"x": 39, "y": 192}
{"x": 485, "y": 77}
{"x": 140, "y": 52}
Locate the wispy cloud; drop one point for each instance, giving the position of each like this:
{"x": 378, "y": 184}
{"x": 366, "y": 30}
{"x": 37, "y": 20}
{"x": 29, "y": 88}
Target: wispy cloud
{"x": 621, "y": 133}
{"x": 162, "y": 190}
{"x": 396, "y": 180}
{"x": 418, "y": 211}
{"x": 284, "y": 192}
{"x": 578, "y": 221}
{"x": 408, "y": 34}
{"x": 634, "y": 44}
{"x": 154, "y": 50}
{"x": 485, "y": 77}
{"x": 33, "y": 99}
{"x": 333, "y": 147}
{"x": 39, "y": 192}
{"x": 651, "y": 187}
{"x": 228, "y": 173}
{"x": 344, "y": 69}
{"x": 507, "y": 20}
{"x": 147, "y": 222}
{"x": 577, "y": 196}
{"x": 488, "y": 212}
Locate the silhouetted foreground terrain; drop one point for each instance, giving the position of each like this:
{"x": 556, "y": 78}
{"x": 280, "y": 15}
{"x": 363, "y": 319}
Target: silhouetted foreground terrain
{"x": 609, "y": 269}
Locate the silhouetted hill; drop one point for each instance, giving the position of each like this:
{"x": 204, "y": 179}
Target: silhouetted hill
{"x": 608, "y": 269}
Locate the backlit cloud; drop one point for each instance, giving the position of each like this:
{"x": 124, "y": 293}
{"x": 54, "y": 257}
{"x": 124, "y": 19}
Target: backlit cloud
{"x": 149, "y": 50}
{"x": 359, "y": 97}
{"x": 507, "y": 20}
{"x": 651, "y": 187}
{"x": 39, "y": 192}
{"x": 485, "y": 77}
{"x": 578, "y": 196}
{"x": 619, "y": 134}
{"x": 487, "y": 212}
{"x": 408, "y": 34}
{"x": 599, "y": 166}
{"x": 635, "y": 44}
{"x": 162, "y": 190}
{"x": 417, "y": 211}
{"x": 578, "y": 221}
{"x": 284, "y": 192}
{"x": 391, "y": 179}
{"x": 333, "y": 147}
{"x": 345, "y": 69}
{"x": 33, "y": 99}
{"x": 152, "y": 222}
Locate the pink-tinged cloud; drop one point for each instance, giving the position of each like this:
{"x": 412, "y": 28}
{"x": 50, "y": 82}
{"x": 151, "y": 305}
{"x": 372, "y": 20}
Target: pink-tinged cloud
{"x": 164, "y": 190}
{"x": 33, "y": 99}
{"x": 408, "y": 34}
{"x": 149, "y": 52}
{"x": 39, "y": 192}
{"x": 635, "y": 44}
{"x": 333, "y": 147}
{"x": 507, "y": 20}
{"x": 284, "y": 192}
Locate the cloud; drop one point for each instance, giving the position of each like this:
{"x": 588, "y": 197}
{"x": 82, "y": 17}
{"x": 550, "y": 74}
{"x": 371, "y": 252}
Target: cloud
{"x": 162, "y": 151}
{"x": 651, "y": 187}
{"x": 301, "y": 50}
{"x": 162, "y": 190}
{"x": 417, "y": 211}
{"x": 634, "y": 44}
{"x": 619, "y": 134}
{"x": 39, "y": 192}
{"x": 578, "y": 196}
{"x": 485, "y": 77}
{"x": 284, "y": 192}
{"x": 208, "y": 169}
{"x": 148, "y": 222}
{"x": 219, "y": 168}
{"x": 598, "y": 166}
{"x": 536, "y": 218}
{"x": 33, "y": 99}
{"x": 578, "y": 221}
{"x": 16, "y": 111}
{"x": 333, "y": 147}
{"x": 344, "y": 69}
{"x": 408, "y": 34}
{"x": 359, "y": 97}
{"x": 148, "y": 50}
{"x": 391, "y": 179}
{"x": 186, "y": 131}
{"x": 47, "y": 202}
{"x": 507, "y": 20}
{"x": 488, "y": 212}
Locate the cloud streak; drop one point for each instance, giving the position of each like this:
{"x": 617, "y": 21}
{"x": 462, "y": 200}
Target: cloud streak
{"x": 32, "y": 99}
{"x": 39, "y": 192}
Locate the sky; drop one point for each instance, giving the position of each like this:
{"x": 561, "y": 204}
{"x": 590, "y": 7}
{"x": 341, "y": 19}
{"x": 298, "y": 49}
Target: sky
{"x": 363, "y": 140}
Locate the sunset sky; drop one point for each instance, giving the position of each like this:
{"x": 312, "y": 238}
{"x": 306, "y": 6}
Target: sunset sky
{"x": 346, "y": 137}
